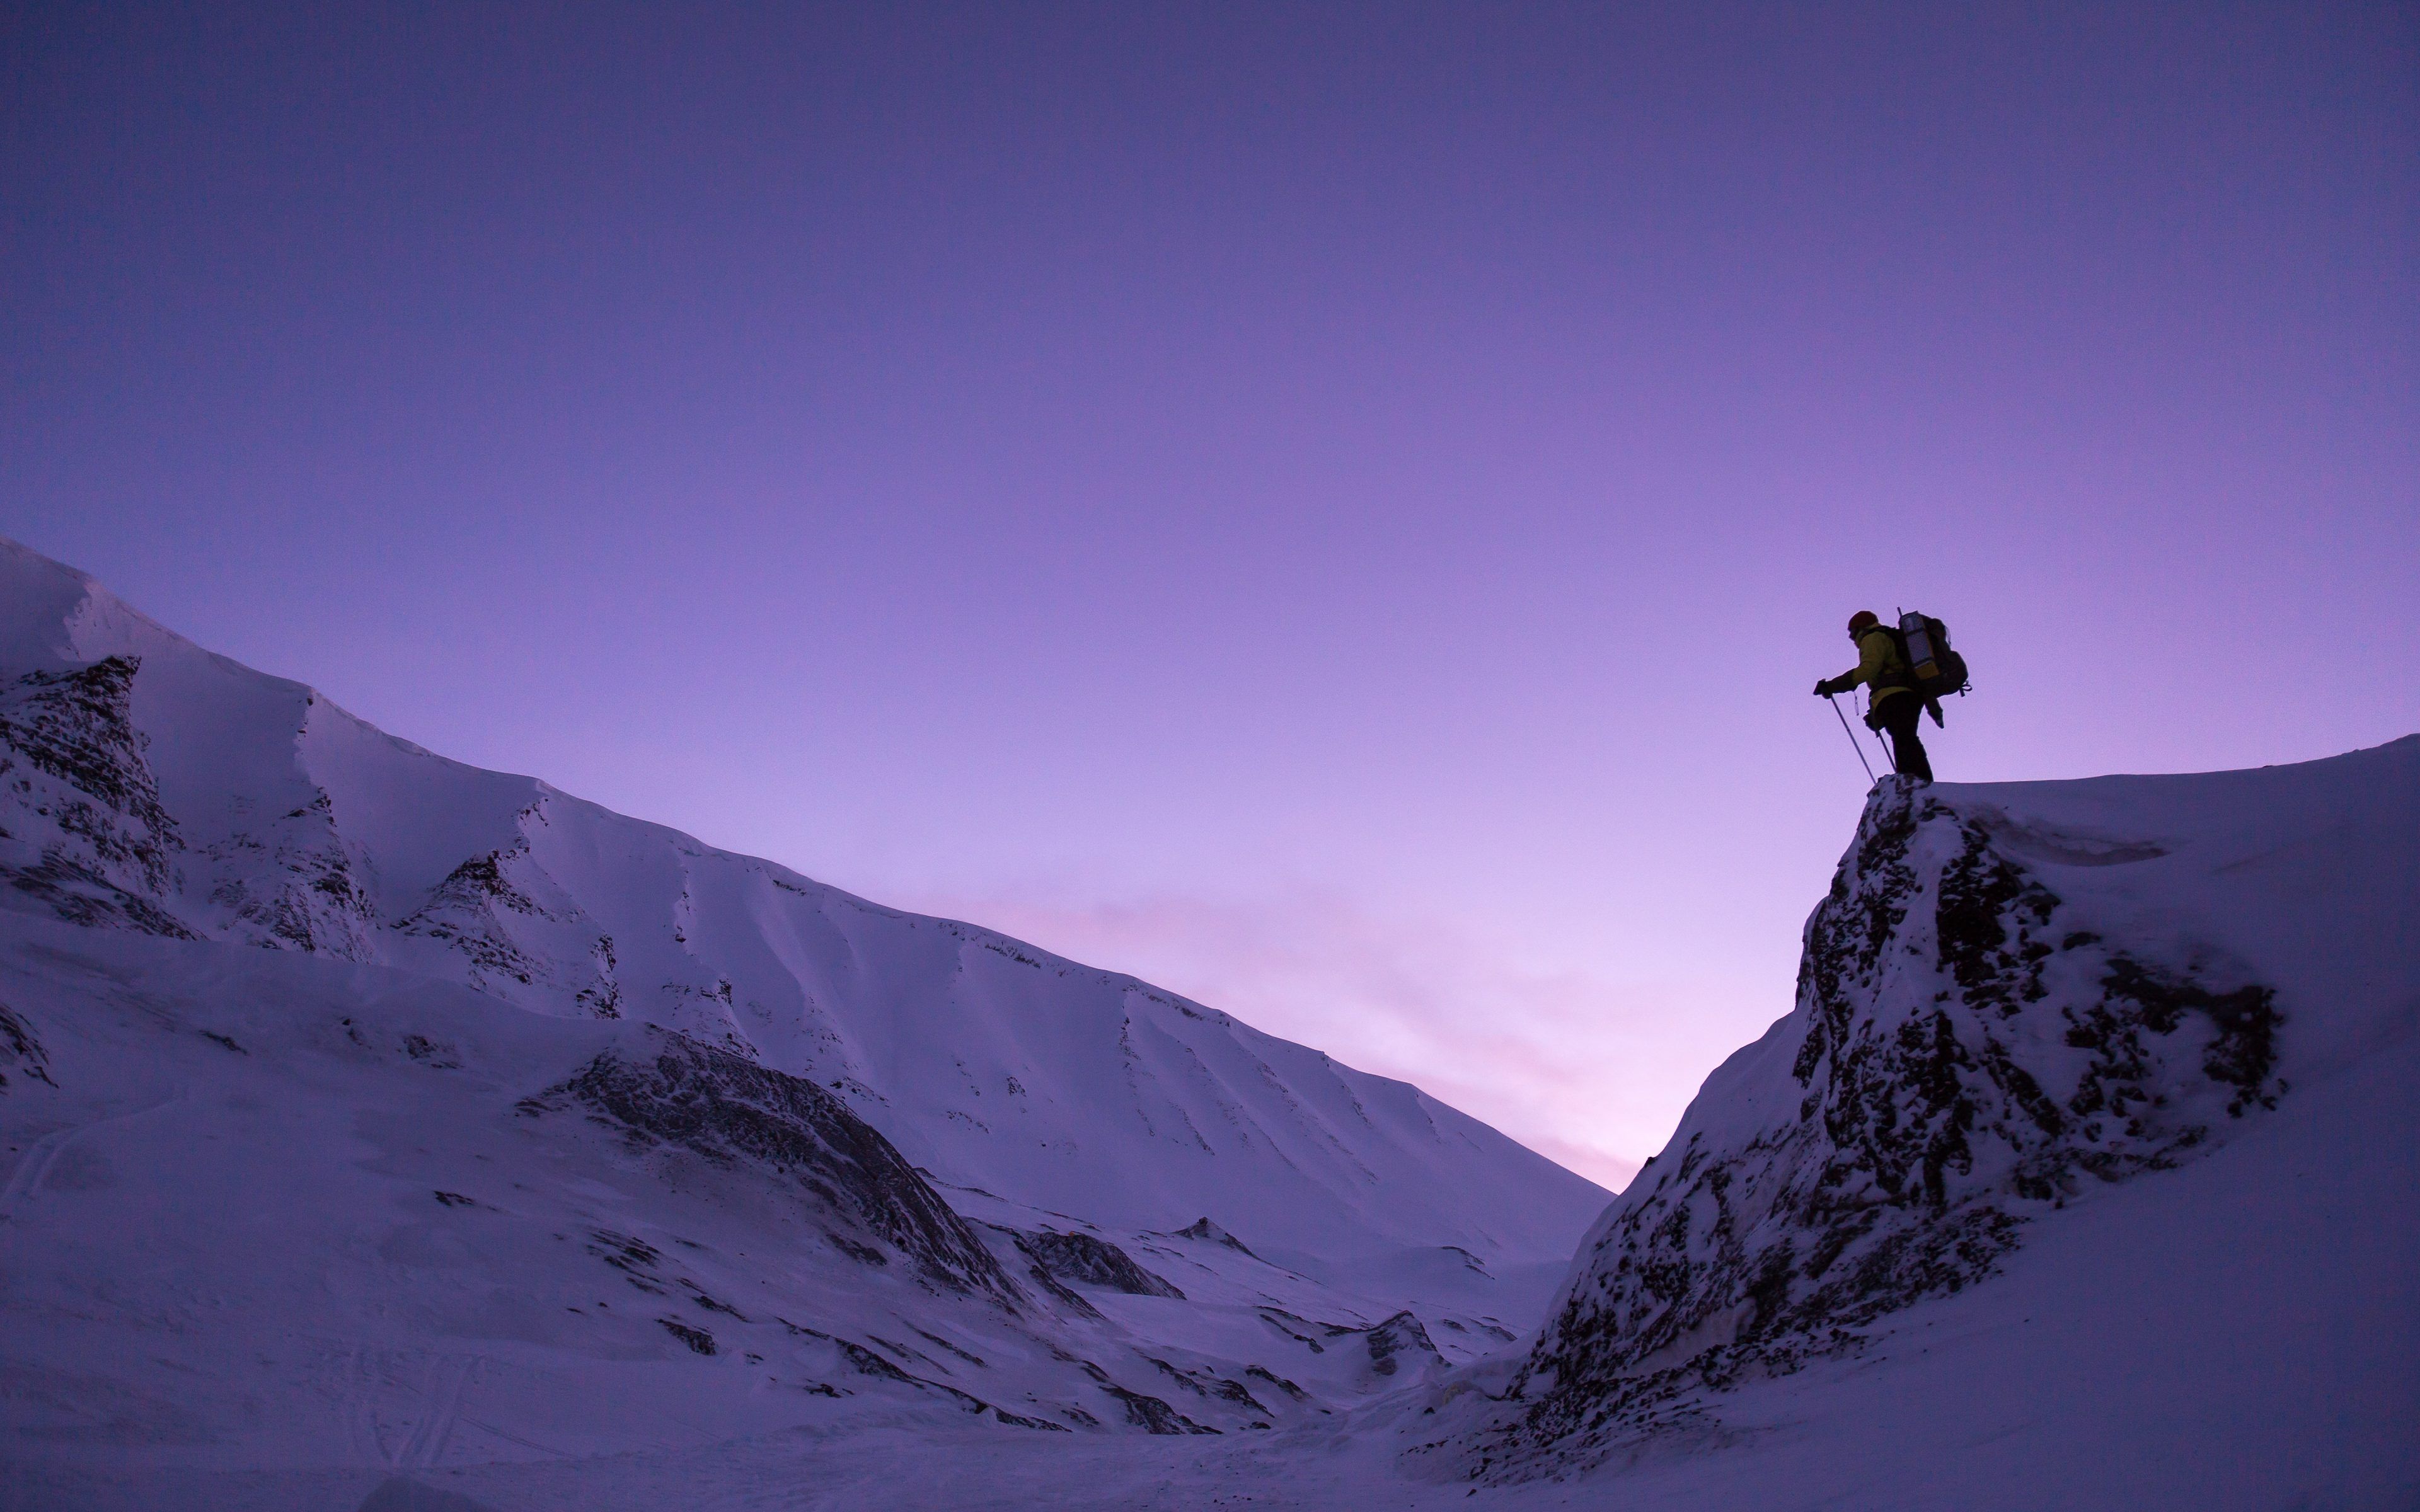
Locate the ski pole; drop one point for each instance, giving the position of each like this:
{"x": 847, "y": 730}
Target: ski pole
{"x": 1852, "y": 738}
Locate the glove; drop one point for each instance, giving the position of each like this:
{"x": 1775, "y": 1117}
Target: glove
{"x": 1823, "y": 688}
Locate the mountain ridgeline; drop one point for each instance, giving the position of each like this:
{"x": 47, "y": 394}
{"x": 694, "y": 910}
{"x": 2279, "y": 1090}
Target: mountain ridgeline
{"x": 153, "y": 787}
{"x": 2013, "y": 1000}
{"x": 369, "y": 1114}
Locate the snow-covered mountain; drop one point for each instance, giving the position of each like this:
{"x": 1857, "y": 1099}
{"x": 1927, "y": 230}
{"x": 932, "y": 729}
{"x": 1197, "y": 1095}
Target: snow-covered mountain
{"x": 159, "y": 788}
{"x": 2026, "y": 1014}
{"x": 365, "y": 1110}
{"x": 374, "y": 1123}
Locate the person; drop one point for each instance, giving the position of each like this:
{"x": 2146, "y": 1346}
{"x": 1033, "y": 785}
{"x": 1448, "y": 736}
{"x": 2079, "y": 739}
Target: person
{"x": 1892, "y": 703}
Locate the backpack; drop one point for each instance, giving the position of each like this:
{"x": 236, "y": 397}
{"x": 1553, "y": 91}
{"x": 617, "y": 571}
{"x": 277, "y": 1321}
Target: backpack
{"x": 1934, "y": 669}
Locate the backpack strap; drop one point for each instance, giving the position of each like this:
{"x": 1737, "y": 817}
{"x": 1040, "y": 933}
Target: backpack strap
{"x": 1897, "y": 675}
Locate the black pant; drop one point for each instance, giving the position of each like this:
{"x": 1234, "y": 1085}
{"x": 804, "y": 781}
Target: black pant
{"x": 1898, "y": 716}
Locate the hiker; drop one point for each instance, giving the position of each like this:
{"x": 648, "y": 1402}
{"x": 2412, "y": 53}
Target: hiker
{"x": 1892, "y": 702}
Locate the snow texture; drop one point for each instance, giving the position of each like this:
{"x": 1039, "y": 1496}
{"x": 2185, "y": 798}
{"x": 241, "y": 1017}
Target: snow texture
{"x": 153, "y": 787}
{"x": 2013, "y": 999}
{"x": 364, "y": 1109}
{"x": 383, "y": 1132}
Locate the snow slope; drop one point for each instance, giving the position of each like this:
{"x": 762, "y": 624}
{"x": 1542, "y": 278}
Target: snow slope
{"x": 2084, "y": 1173}
{"x": 269, "y": 1210}
{"x": 2081, "y": 1056}
{"x": 160, "y": 788}
{"x": 2234, "y": 1324}
{"x": 365, "y": 1112}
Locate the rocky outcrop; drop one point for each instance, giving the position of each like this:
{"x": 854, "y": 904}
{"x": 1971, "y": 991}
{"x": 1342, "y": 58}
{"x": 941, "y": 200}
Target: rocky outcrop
{"x": 733, "y": 1112}
{"x": 147, "y": 785}
{"x": 297, "y": 881}
{"x": 470, "y": 911}
{"x": 21, "y": 1050}
{"x": 86, "y": 835}
{"x": 1968, "y": 1052}
{"x": 1203, "y": 1228}
{"x": 1084, "y": 1259}
{"x": 1401, "y": 1340}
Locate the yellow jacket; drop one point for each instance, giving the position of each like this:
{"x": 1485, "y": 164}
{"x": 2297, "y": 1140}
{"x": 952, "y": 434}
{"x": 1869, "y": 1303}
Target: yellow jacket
{"x": 1879, "y": 668}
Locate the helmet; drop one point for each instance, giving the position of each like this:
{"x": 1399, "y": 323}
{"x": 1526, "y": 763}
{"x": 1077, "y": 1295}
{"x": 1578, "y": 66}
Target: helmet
{"x": 1865, "y": 618}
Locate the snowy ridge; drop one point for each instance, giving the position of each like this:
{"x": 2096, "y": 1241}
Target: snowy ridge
{"x": 305, "y": 1210}
{"x": 369, "y": 1121}
{"x": 2013, "y": 1000}
{"x": 363, "y": 1108}
{"x": 156, "y": 787}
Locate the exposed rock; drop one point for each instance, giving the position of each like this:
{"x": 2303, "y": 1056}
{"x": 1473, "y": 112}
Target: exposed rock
{"x": 635, "y": 1259}
{"x": 298, "y": 883}
{"x": 1153, "y": 1415}
{"x": 730, "y": 1111}
{"x": 1052, "y": 1286}
{"x": 968, "y": 1355}
{"x": 1204, "y": 1228}
{"x": 698, "y": 1339}
{"x": 88, "y": 835}
{"x": 22, "y": 1049}
{"x": 1260, "y": 1372}
{"x": 470, "y": 911}
{"x": 432, "y": 1053}
{"x": 1300, "y": 1329}
{"x": 869, "y": 1363}
{"x": 1207, "y": 1383}
{"x": 1961, "y": 1067}
{"x": 1399, "y": 1338}
{"x": 1087, "y": 1261}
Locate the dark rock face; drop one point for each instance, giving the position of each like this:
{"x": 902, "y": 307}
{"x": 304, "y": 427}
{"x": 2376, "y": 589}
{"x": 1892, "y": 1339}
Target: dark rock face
{"x": 869, "y": 1364}
{"x": 698, "y": 1339}
{"x": 296, "y": 879}
{"x": 89, "y": 837}
{"x": 1399, "y": 1338}
{"x": 469, "y": 909}
{"x": 1204, "y": 1228}
{"x": 732, "y": 1111}
{"x": 1390, "y": 1345}
{"x": 1058, "y": 1290}
{"x": 1086, "y": 1260}
{"x": 1209, "y": 1385}
{"x": 1153, "y": 1415}
{"x": 22, "y": 1049}
{"x": 1973, "y": 1057}
{"x": 83, "y": 830}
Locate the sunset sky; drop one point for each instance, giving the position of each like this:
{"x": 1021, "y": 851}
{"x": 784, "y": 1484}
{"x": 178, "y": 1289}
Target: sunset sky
{"x": 1333, "y": 508}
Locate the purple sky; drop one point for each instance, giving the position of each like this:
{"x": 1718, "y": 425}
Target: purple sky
{"x": 1334, "y": 508}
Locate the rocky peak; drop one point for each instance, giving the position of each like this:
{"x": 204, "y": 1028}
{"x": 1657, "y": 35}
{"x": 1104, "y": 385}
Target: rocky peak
{"x": 86, "y": 835}
{"x": 1969, "y": 1051}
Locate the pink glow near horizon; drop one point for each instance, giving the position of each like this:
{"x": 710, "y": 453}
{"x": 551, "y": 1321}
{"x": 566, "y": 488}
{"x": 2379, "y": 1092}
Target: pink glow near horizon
{"x": 1581, "y": 1068}
{"x": 1336, "y": 509}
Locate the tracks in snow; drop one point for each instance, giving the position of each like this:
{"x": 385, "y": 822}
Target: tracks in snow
{"x": 449, "y": 1378}
{"x": 382, "y": 1397}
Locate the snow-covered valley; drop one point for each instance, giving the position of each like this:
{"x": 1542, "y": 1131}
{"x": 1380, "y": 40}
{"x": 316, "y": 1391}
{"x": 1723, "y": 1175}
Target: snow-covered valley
{"x": 378, "y": 1130}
